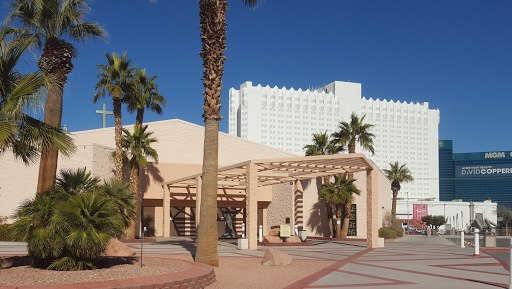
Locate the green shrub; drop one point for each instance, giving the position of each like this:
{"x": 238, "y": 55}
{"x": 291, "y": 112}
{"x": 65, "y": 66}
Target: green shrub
{"x": 398, "y": 230}
{"x": 387, "y": 233}
{"x": 69, "y": 227}
{"x": 5, "y": 232}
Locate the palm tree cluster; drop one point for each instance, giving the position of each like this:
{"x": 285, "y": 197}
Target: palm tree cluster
{"x": 70, "y": 226}
{"x": 348, "y": 135}
{"x": 129, "y": 85}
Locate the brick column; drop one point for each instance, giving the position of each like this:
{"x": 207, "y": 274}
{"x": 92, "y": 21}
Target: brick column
{"x": 199, "y": 183}
{"x": 372, "y": 208}
{"x": 251, "y": 206}
{"x": 167, "y": 211}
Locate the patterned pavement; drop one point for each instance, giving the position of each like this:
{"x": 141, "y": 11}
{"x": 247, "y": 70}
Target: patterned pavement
{"x": 409, "y": 262}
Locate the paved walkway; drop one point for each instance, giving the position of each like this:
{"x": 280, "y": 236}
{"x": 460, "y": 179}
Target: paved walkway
{"x": 409, "y": 262}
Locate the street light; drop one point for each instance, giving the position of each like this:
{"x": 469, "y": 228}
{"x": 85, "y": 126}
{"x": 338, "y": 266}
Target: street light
{"x": 407, "y": 210}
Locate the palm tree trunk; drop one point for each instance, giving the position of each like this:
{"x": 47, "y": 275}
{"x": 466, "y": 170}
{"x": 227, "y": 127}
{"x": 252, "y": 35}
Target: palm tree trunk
{"x": 393, "y": 207}
{"x": 131, "y": 232}
{"x": 352, "y": 147}
{"x": 52, "y": 116}
{"x": 118, "y": 137}
{"x": 212, "y": 18}
{"x": 338, "y": 221}
{"x": 207, "y": 231}
{"x": 346, "y": 220}
{"x": 328, "y": 210}
{"x": 140, "y": 116}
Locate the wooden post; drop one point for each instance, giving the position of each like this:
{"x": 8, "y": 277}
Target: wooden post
{"x": 372, "y": 208}
{"x": 251, "y": 206}
{"x": 167, "y": 211}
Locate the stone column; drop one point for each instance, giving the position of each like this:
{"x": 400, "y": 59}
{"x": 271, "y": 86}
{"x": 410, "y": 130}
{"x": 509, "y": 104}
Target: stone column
{"x": 199, "y": 182}
{"x": 372, "y": 208}
{"x": 251, "y": 206}
{"x": 167, "y": 211}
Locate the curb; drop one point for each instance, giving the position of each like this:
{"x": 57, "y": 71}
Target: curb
{"x": 199, "y": 276}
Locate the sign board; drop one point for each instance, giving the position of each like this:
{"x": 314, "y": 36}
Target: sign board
{"x": 284, "y": 231}
{"x": 483, "y": 171}
{"x": 352, "y": 224}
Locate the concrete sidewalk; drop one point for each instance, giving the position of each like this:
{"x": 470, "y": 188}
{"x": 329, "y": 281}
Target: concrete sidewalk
{"x": 409, "y": 262}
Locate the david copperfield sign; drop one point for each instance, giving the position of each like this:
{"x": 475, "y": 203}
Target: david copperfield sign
{"x": 483, "y": 171}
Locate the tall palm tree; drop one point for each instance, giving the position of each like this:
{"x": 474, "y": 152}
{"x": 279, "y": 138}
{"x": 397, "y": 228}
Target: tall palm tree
{"x": 322, "y": 145}
{"x": 115, "y": 79}
{"x": 355, "y": 131}
{"x": 25, "y": 136}
{"x": 137, "y": 150}
{"x": 144, "y": 94}
{"x": 340, "y": 192}
{"x": 397, "y": 174}
{"x": 55, "y": 24}
{"x": 212, "y": 19}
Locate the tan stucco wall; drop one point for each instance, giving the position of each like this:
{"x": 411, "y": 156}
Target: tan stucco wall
{"x": 179, "y": 142}
{"x": 282, "y": 206}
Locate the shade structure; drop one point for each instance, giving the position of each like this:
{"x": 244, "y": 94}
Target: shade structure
{"x": 251, "y": 174}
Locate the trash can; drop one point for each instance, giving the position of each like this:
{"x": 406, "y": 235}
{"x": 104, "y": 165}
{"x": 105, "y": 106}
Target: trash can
{"x": 302, "y": 235}
{"x": 489, "y": 240}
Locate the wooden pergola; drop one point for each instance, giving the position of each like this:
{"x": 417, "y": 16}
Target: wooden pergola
{"x": 251, "y": 174}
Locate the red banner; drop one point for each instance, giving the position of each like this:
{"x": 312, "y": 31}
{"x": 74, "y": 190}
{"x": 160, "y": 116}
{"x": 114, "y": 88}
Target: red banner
{"x": 419, "y": 210}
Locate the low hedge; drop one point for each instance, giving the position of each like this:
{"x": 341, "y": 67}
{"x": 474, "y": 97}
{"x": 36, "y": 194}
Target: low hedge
{"x": 387, "y": 233}
{"x": 5, "y": 232}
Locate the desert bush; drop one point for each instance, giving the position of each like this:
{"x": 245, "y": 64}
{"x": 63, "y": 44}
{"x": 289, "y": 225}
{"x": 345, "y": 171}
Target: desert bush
{"x": 398, "y": 230}
{"x": 387, "y": 233}
{"x": 5, "y": 232}
{"x": 69, "y": 227}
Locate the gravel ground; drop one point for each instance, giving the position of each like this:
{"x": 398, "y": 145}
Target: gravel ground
{"x": 248, "y": 273}
{"x": 233, "y": 272}
{"x": 16, "y": 271}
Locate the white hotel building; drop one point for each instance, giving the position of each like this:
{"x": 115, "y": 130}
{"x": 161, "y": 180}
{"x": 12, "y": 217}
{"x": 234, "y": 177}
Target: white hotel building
{"x": 287, "y": 118}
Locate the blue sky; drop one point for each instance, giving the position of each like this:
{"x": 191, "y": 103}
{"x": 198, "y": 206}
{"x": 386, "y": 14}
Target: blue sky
{"x": 454, "y": 54}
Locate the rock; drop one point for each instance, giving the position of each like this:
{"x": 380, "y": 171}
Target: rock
{"x": 272, "y": 239}
{"x": 293, "y": 239}
{"x": 115, "y": 248}
{"x": 275, "y": 257}
{"x": 274, "y": 230}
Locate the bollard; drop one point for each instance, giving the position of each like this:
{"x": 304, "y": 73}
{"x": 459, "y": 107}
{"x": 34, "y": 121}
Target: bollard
{"x": 462, "y": 239}
{"x": 477, "y": 243}
{"x": 243, "y": 230}
{"x": 261, "y": 234}
{"x": 296, "y": 230}
{"x": 510, "y": 266}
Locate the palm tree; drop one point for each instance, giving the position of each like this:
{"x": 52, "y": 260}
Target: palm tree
{"x": 212, "y": 19}
{"x": 355, "y": 132}
{"x": 115, "y": 78}
{"x": 397, "y": 174}
{"x": 137, "y": 150}
{"x": 144, "y": 94}
{"x": 340, "y": 192}
{"x": 55, "y": 24}
{"x": 69, "y": 226}
{"x": 322, "y": 145}
{"x": 25, "y": 136}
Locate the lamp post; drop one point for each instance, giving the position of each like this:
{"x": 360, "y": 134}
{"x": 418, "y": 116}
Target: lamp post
{"x": 407, "y": 211}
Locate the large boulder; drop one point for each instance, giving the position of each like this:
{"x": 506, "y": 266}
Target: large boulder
{"x": 272, "y": 239}
{"x": 274, "y": 230}
{"x": 275, "y": 257}
{"x": 293, "y": 239}
{"x": 116, "y": 248}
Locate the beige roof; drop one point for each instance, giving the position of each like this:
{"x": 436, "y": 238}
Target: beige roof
{"x": 281, "y": 170}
